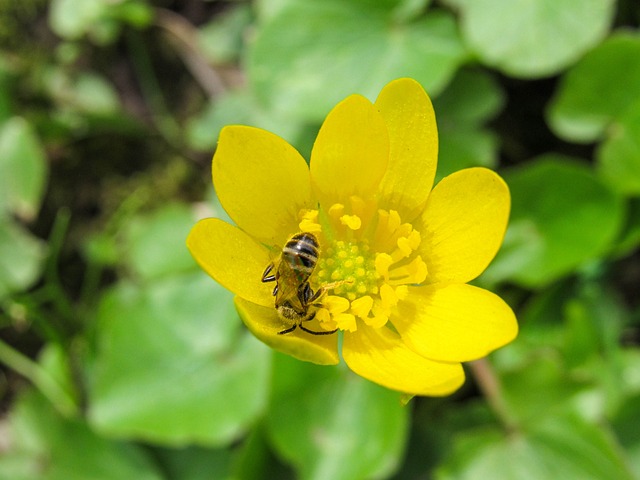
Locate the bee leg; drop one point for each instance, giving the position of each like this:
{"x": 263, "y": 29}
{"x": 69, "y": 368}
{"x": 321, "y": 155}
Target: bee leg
{"x": 318, "y": 333}
{"x": 289, "y": 330}
{"x": 325, "y": 288}
{"x": 307, "y": 294}
{"x": 266, "y": 277}
{"x": 312, "y": 332}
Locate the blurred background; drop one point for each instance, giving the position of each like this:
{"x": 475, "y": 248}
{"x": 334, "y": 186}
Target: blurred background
{"x": 120, "y": 359}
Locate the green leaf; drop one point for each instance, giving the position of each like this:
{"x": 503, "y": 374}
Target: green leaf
{"x": 625, "y": 424}
{"x": 466, "y": 148}
{"x": 6, "y": 89}
{"x": 330, "y": 423}
{"x": 72, "y": 19}
{"x": 23, "y": 169}
{"x": 195, "y": 463}
{"x": 222, "y": 39}
{"x": 619, "y": 155}
{"x": 241, "y": 108}
{"x": 154, "y": 244}
{"x": 562, "y": 216}
{"x": 313, "y": 54}
{"x": 471, "y": 99}
{"x": 21, "y": 258}
{"x": 630, "y": 235}
{"x": 45, "y": 446}
{"x": 558, "y": 447}
{"x": 543, "y": 373}
{"x": 532, "y": 39}
{"x": 85, "y": 92}
{"x": 173, "y": 365}
{"x": 598, "y": 90}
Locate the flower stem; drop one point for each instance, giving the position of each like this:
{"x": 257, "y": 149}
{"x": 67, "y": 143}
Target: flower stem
{"x": 491, "y": 388}
{"x": 42, "y": 379}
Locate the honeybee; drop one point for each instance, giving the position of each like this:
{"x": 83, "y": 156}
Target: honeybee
{"x": 294, "y": 296}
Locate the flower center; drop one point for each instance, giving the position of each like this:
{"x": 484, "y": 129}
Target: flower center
{"x": 351, "y": 262}
{"x": 368, "y": 259}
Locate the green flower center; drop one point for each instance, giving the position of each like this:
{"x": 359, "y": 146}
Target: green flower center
{"x": 352, "y": 262}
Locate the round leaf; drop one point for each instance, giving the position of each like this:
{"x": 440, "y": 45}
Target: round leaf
{"x": 311, "y": 55}
{"x": 560, "y": 447}
{"x": 154, "y": 243}
{"x": 532, "y": 39}
{"x": 23, "y": 169}
{"x": 464, "y": 148}
{"x": 45, "y": 446}
{"x": 473, "y": 97}
{"x": 561, "y": 217}
{"x": 598, "y": 90}
{"x": 21, "y": 257}
{"x": 240, "y": 107}
{"x": 331, "y": 424}
{"x": 173, "y": 366}
{"x": 619, "y": 156}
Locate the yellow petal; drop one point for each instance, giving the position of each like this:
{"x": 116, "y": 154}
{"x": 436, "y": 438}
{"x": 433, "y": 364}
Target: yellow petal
{"x": 380, "y": 356}
{"x": 351, "y": 152}
{"x": 463, "y": 225}
{"x": 262, "y": 182}
{"x": 413, "y": 136}
{"x": 457, "y": 323}
{"x": 232, "y": 258}
{"x": 265, "y": 324}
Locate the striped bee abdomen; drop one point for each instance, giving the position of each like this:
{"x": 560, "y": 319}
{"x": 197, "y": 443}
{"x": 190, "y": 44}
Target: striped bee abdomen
{"x": 301, "y": 252}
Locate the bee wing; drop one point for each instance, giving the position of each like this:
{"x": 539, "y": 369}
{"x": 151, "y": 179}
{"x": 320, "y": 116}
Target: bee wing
{"x": 288, "y": 284}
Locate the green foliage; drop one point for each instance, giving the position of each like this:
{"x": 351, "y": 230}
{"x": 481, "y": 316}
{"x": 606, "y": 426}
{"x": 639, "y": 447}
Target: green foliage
{"x": 370, "y": 424}
{"x": 559, "y": 447}
{"x": 471, "y": 99}
{"x": 23, "y": 173}
{"x": 121, "y": 359}
{"x": 598, "y": 90}
{"x": 217, "y": 375}
{"x": 533, "y": 39}
{"x": 48, "y": 446}
{"x": 344, "y": 47}
{"x": 562, "y": 216}
{"x": 23, "y": 169}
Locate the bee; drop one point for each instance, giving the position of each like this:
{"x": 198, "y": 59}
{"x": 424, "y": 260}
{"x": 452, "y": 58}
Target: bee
{"x": 294, "y": 296}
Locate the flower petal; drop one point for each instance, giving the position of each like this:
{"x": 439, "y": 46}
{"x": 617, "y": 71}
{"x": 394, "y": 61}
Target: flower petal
{"x": 265, "y": 324}
{"x": 232, "y": 258}
{"x": 457, "y": 323}
{"x": 351, "y": 152}
{"x": 380, "y": 355}
{"x": 413, "y": 136}
{"x": 262, "y": 182}
{"x": 463, "y": 225}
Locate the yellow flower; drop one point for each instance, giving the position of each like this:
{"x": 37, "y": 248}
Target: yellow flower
{"x": 397, "y": 254}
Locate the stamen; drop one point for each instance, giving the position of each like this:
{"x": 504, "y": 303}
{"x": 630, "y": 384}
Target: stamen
{"x": 394, "y": 220}
{"x": 335, "y": 304}
{"x": 336, "y": 210}
{"x": 309, "y": 222}
{"x": 409, "y": 243}
{"x": 414, "y": 272}
{"x": 351, "y": 221}
{"x": 346, "y": 321}
{"x": 378, "y": 320}
{"x": 367, "y": 278}
{"x": 362, "y": 306}
{"x": 382, "y": 263}
{"x": 388, "y": 297}
{"x": 324, "y": 318}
